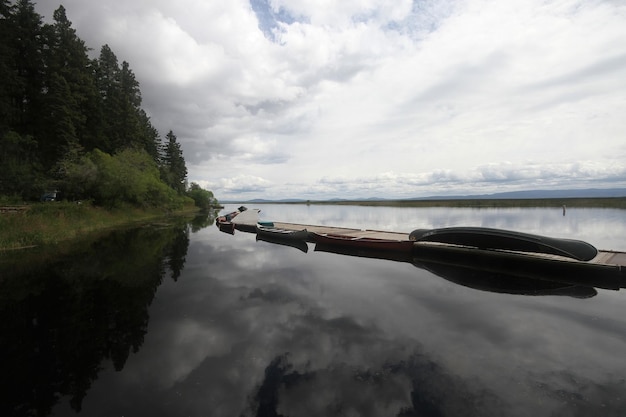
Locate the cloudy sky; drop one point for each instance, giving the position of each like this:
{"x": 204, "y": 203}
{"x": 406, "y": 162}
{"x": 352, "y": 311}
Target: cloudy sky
{"x": 388, "y": 98}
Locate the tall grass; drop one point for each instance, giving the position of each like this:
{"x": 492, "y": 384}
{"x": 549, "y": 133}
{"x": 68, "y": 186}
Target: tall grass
{"x": 51, "y": 223}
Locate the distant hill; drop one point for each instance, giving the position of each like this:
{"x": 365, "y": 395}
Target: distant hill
{"x": 512, "y": 195}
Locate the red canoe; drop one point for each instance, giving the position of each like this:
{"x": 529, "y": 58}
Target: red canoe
{"x": 362, "y": 242}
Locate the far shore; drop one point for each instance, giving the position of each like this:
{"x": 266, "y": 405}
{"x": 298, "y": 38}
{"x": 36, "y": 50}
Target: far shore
{"x": 602, "y": 202}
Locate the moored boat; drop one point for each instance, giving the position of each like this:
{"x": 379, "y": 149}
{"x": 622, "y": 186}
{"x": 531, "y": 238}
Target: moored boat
{"x": 225, "y": 222}
{"x": 227, "y": 227}
{"x": 487, "y": 238}
{"x": 283, "y": 234}
{"x": 362, "y": 242}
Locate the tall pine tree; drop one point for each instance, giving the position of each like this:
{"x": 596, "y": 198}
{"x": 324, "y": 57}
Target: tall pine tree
{"x": 27, "y": 45}
{"x": 174, "y": 170}
{"x": 71, "y": 89}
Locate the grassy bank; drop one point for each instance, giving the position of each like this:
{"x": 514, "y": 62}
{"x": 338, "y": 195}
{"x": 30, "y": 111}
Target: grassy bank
{"x": 617, "y": 202}
{"x": 51, "y": 223}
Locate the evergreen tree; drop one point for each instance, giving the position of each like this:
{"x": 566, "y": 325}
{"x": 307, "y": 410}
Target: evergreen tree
{"x": 20, "y": 174}
{"x": 70, "y": 122}
{"x": 26, "y": 43}
{"x": 71, "y": 89}
{"x": 21, "y": 84}
{"x": 124, "y": 124}
{"x": 8, "y": 67}
{"x": 151, "y": 141}
{"x": 129, "y": 123}
{"x": 174, "y": 170}
{"x": 108, "y": 84}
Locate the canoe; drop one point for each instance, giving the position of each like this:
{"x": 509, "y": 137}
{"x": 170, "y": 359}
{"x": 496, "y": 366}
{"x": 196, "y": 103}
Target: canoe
{"x": 226, "y": 227}
{"x": 283, "y": 234}
{"x": 362, "y": 242}
{"x": 230, "y": 216}
{"x": 226, "y": 218}
{"x": 486, "y": 238}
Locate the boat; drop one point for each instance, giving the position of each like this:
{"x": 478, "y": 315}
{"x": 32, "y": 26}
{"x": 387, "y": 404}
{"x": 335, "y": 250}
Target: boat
{"x": 487, "y": 238}
{"x": 226, "y": 218}
{"x": 225, "y": 222}
{"x": 227, "y": 227}
{"x": 362, "y": 242}
{"x": 282, "y": 234}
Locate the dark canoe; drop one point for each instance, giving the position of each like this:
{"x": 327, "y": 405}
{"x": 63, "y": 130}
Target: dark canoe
{"x": 486, "y": 238}
{"x": 226, "y": 218}
{"x": 282, "y": 234}
{"x": 226, "y": 227}
{"x": 245, "y": 227}
{"x": 363, "y": 242}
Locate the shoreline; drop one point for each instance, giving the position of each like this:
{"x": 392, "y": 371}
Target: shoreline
{"x": 45, "y": 224}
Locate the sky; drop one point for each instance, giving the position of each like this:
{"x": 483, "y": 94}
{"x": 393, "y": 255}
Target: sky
{"x": 325, "y": 99}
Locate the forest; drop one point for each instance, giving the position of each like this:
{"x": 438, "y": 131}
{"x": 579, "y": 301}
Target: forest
{"x": 73, "y": 126}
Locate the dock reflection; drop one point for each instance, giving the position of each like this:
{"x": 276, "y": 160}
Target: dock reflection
{"x": 297, "y": 244}
{"x": 472, "y": 276}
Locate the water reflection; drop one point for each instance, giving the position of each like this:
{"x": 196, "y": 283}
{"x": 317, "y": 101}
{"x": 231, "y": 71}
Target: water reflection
{"x": 470, "y": 276}
{"x": 185, "y": 320}
{"x": 63, "y": 315}
{"x": 297, "y": 244}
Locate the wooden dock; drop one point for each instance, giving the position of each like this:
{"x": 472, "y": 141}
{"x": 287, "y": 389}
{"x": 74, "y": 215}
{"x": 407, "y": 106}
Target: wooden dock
{"x": 606, "y": 270}
{"x": 344, "y": 231}
{"x": 604, "y": 257}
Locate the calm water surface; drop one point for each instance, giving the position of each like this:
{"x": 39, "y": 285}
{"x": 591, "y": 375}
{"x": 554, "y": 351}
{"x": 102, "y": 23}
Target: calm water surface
{"x": 183, "y": 320}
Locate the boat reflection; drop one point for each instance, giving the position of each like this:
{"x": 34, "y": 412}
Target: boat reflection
{"x": 472, "y": 276}
{"x": 298, "y": 244}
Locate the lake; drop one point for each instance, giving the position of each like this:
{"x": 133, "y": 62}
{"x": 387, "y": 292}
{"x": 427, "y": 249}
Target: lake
{"x": 180, "y": 319}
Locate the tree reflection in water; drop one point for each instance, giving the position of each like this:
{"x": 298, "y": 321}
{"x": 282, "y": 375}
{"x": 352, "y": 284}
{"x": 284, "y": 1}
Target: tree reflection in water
{"x": 62, "y": 317}
{"x": 433, "y": 391}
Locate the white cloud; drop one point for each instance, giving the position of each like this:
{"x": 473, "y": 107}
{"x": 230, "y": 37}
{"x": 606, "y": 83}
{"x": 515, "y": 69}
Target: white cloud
{"x": 293, "y": 95}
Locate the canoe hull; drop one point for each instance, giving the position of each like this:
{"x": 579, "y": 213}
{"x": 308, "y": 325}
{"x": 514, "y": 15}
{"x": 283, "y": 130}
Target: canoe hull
{"x": 363, "y": 242}
{"x": 282, "y": 234}
{"x": 226, "y": 227}
{"x": 487, "y": 238}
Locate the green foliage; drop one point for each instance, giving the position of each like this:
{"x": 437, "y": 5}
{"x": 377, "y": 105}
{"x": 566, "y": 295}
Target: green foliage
{"x": 75, "y": 124}
{"x": 201, "y": 197}
{"x": 130, "y": 176}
